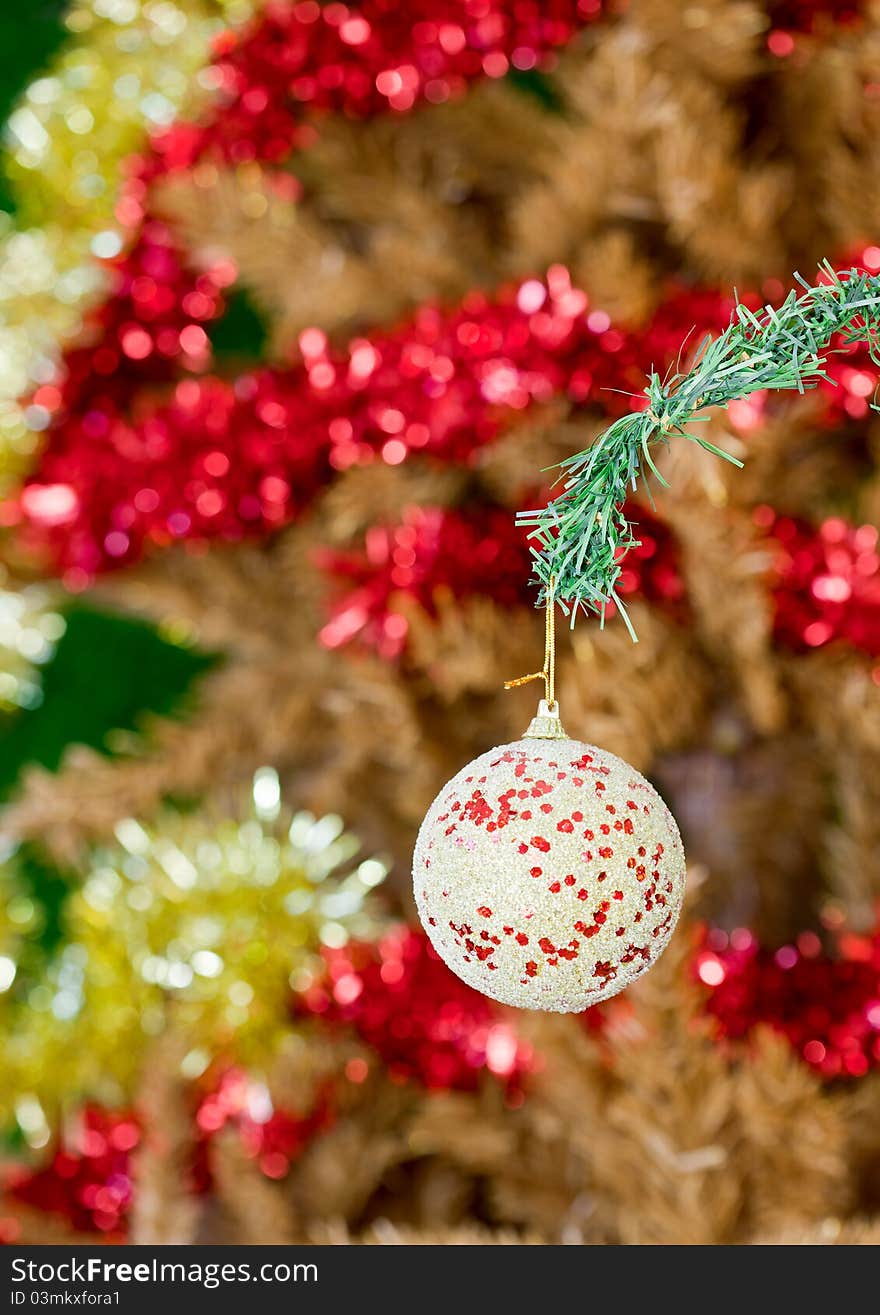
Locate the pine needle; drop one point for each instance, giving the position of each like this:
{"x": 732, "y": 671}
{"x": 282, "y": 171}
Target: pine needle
{"x": 581, "y": 537}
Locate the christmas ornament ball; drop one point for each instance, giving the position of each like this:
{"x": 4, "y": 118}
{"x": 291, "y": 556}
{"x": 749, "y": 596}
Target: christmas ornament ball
{"x": 548, "y": 873}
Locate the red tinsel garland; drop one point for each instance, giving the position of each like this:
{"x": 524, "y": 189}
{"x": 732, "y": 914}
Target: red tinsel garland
{"x": 423, "y": 1023}
{"x": 826, "y": 582}
{"x": 476, "y": 550}
{"x": 292, "y": 61}
{"x": 275, "y": 1138}
{"x": 827, "y": 1005}
{"x": 148, "y": 329}
{"x": 298, "y": 60}
{"x": 225, "y": 460}
{"x": 127, "y": 470}
{"x": 88, "y": 1178}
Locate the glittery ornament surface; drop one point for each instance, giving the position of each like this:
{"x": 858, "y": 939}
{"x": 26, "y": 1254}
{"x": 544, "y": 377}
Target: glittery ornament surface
{"x": 549, "y": 873}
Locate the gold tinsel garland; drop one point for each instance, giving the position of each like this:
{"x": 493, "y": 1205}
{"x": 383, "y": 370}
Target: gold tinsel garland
{"x": 128, "y": 67}
{"x": 205, "y": 919}
{"x": 30, "y": 627}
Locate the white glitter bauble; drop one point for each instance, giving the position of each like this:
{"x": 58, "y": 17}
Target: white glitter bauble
{"x": 548, "y": 873}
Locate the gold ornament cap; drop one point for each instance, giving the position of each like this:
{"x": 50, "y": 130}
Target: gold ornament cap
{"x": 545, "y": 725}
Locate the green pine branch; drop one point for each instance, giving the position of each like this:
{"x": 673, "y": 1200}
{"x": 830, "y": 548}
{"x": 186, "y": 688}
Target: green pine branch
{"x": 581, "y": 537}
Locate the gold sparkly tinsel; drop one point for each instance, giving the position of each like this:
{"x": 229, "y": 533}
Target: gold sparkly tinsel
{"x": 204, "y": 919}
{"x": 30, "y": 627}
{"x": 129, "y": 66}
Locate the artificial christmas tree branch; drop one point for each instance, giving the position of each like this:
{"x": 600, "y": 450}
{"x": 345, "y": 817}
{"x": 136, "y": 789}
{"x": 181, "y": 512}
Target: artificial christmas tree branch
{"x": 582, "y": 536}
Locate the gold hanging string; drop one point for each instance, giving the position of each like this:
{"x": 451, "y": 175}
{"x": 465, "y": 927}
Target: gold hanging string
{"x": 548, "y": 672}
